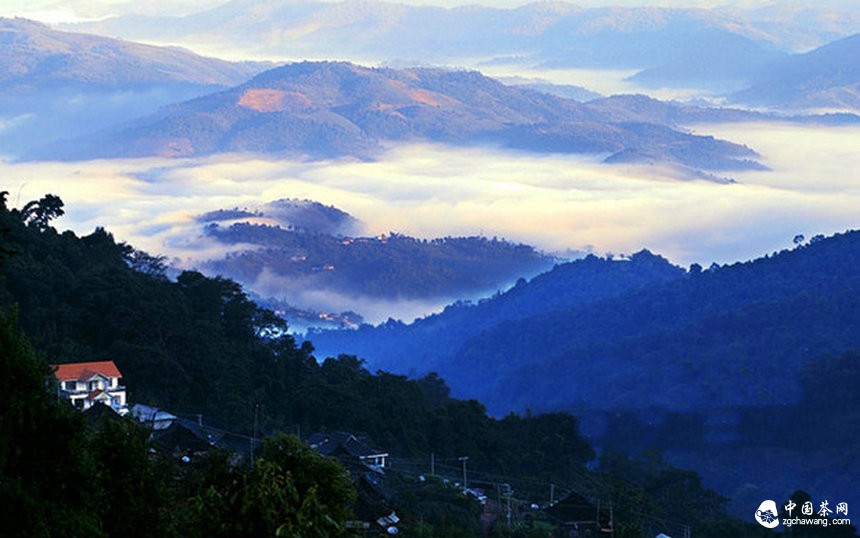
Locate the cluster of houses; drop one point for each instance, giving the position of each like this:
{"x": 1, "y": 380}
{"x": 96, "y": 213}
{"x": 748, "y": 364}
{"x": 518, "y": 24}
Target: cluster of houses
{"x": 95, "y": 388}
{"x": 88, "y": 384}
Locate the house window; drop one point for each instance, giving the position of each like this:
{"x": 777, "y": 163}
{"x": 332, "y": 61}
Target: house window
{"x": 71, "y": 385}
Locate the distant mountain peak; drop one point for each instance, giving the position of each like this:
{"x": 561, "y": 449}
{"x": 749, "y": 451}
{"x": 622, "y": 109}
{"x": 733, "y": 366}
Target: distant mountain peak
{"x": 32, "y": 53}
{"x": 825, "y": 78}
{"x": 294, "y": 213}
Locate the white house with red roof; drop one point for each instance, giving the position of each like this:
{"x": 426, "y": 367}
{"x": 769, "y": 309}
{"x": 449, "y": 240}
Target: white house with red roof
{"x": 85, "y": 383}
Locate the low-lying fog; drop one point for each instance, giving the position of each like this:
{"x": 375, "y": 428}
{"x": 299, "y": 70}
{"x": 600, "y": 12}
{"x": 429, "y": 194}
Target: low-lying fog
{"x": 553, "y": 202}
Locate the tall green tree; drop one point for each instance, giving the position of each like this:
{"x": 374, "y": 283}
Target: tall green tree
{"x": 291, "y": 491}
{"x": 45, "y": 467}
{"x": 40, "y": 213}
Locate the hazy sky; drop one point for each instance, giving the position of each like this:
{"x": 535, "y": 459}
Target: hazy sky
{"x": 69, "y": 10}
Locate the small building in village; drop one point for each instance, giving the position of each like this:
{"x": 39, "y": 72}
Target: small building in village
{"x": 342, "y": 445}
{"x": 152, "y": 417}
{"x": 366, "y": 468}
{"x": 87, "y": 383}
{"x": 580, "y": 518}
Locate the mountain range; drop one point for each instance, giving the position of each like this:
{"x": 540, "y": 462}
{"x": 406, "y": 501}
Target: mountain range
{"x": 56, "y": 84}
{"x": 604, "y": 334}
{"x": 722, "y": 50}
{"x": 37, "y": 56}
{"x": 335, "y": 109}
{"x": 61, "y": 88}
{"x": 825, "y": 78}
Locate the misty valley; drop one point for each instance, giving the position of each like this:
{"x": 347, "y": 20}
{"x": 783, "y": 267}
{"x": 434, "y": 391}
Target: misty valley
{"x": 421, "y": 268}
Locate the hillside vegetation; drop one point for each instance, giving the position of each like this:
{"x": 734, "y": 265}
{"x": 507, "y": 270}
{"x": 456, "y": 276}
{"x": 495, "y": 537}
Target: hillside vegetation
{"x": 392, "y": 266}
{"x": 685, "y": 341}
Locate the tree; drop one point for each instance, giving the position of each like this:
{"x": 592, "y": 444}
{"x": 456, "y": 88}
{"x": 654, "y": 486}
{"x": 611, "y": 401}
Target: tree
{"x": 40, "y": 213}
{"x": 61, "y": 474}
{"x": 295, "y": 492}
{"x": 292, "y": 491}
{"x": 44, "y": 459}
{"x": 131, "y": 496}
{"x": 4, "y": 231}
{"x": 147, "y": 264}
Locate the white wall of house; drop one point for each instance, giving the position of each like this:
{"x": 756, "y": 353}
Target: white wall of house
{"x": 377, "y": 460}
{"x": 79, "y": 390}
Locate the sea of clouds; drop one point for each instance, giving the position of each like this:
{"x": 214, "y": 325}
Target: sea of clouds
{"x": 554, "y": 202}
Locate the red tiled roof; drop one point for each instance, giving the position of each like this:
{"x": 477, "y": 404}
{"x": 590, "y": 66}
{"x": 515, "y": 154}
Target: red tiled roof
{"x": 94, "y": 394}
{"x": 81, "y": 371}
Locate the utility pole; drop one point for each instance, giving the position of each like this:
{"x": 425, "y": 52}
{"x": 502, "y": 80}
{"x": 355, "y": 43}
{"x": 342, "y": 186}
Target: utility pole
{"x": 612, "y": 519}
{"x": 464, "y": 459}
{"x": 508, "y": 493}
{"x": 551, "y": 494}
{"x": 254, "y": 434}
{"x": 432, "y": 464}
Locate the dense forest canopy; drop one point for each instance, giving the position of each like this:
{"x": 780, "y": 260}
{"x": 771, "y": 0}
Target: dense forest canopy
{"x": 391, "y": 266}
{"x": 602, "y": 334}
{"x": 429, "y": 342}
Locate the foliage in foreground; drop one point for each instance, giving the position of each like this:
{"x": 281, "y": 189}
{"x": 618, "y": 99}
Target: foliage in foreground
{"x": 62, "y": 475}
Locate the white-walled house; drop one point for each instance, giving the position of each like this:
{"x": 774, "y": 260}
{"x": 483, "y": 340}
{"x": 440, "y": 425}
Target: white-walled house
{"x": 85, "y": 383}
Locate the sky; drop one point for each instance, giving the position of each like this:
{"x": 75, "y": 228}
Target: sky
{"x": 53, "y": 11}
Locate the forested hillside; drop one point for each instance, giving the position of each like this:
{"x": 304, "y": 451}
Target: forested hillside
{"x": 424, "y": 345}
{"x": 48, "y": 450}
{"x": 705, "y": 340}
{"x": 67, "y": 474}
{"x": 392, "y": 266}
{"x": 717, "y": 367}
{"x": 725, "y": 336}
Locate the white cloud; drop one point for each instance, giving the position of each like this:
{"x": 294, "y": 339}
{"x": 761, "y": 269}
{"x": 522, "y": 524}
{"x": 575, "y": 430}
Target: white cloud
{"x": 554, "y": 202}
{"x": 14, "y": 121}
